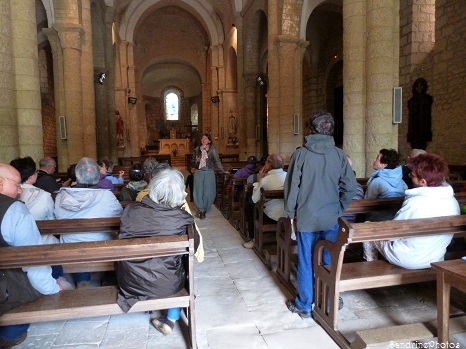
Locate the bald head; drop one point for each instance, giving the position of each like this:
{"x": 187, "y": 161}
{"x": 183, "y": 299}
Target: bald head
{"x": 10, "y": 181}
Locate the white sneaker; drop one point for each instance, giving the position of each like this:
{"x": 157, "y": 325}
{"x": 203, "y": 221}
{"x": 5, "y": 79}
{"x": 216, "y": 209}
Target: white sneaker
{"x": 164, "y": 325}
{"x": 249, "y": 244}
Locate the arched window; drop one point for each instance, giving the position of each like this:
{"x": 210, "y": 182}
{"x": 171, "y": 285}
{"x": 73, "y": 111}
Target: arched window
{"x": 172, "y": 105}
{"x": 194, "y": 115}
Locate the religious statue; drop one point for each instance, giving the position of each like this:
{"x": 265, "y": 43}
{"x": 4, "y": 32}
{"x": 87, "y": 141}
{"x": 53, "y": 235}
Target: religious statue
{"x": 420, "y": 116}
{"x": 119, "y": 130}
{"x": 232, "y": 129}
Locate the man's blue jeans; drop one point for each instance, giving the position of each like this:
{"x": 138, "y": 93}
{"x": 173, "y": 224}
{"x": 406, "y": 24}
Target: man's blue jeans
{"x": 173, "y": 314}
{"x": 306, "y": 244}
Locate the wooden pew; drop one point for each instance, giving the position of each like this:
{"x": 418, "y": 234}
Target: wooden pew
{"x": 264, "y": 232}
{"x": 286, "y": 247}
{"x": 59, "y": 227}
{"x": 457, "y": 185}
{"x": 245, "y": 196}
{"x": 234, "y": 198}
{"x": 458, "y": 171}
{"x": 100, "y": 301}
{"x": 339, "y": 277}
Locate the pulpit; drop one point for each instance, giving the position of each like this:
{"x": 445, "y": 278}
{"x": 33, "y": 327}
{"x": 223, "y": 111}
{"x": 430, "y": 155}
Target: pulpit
{"x": 174, "y": 147}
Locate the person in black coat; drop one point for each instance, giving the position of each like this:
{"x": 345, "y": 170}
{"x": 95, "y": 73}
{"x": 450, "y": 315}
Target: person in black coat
{"x": 159, "y": 213}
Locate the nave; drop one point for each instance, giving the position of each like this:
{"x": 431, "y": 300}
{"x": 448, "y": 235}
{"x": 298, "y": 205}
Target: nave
{"x": 241, "y": 305}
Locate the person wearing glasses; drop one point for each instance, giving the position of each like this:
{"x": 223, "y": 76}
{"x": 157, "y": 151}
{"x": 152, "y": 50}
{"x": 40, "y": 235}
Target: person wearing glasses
{"x": 38, "y": 201}
{"x": 45, "y": 179}
{"x": 18, "y": 228}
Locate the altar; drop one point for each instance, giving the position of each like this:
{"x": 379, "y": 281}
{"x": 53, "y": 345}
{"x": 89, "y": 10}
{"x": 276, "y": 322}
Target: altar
{"x": 174, "y": 147}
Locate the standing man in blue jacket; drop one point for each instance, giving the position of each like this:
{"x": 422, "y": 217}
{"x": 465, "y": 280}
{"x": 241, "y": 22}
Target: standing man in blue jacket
{"x": 319, "y": 186}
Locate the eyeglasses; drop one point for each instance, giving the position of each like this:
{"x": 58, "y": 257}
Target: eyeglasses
{"x": 18, "y": 184}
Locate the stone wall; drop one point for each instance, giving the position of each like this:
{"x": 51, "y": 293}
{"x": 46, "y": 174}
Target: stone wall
{"x": 443, "y": 68}
{"x": 47, "y": 103}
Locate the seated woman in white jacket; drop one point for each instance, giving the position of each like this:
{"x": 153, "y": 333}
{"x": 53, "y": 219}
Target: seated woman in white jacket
{"x": 38, "y": 201}
{"x": 430, "y": 197}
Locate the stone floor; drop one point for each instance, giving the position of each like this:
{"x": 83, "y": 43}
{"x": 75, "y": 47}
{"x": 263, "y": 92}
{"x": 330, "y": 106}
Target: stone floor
{"x": 240, "y": 305}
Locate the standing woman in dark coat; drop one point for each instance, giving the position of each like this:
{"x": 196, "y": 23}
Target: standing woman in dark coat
{"x": 205, "y": 157}
{"x": 159, "y": 213}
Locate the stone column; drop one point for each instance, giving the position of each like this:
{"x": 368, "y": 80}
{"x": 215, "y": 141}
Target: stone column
{"x": 26, "y": 72}
{"x": 70, "y": 40}
{"x": 87, "y": 77}
{"x": 273, "y": 91}
{"x": 281, "y": 137}
{"x": 354, "y": 78}
{"x": 58, "y": 73}
{"x": 132, "y": 139}
{"x": 381, "y": 63}
{"x": 110, "y": 89}
{"x": 8, "y": 120}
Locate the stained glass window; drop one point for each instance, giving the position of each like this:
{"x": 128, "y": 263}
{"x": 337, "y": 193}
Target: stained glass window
{"x": 171, "y": 106}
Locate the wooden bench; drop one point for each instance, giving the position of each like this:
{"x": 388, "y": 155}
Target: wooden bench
{"x": 59, "y": 227}
{"x": 234, "y": 198}
{"x": 286, "y": 247}
{"x": 264, "y": 228}
{"x": 331, "y": 280}
{"x": 457, "y": 185}
{"x": 244, "y": 198}
{"x": 458, "y": 171}
{"x": 100, "y": 301}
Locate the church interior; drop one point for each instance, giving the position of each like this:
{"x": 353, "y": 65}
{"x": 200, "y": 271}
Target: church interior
{"x": 115, "y": 79}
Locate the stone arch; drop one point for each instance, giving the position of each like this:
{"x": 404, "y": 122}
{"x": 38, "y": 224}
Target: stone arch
{"x": 200, "y": 9}
{"x": 49, "y": 10}
{"x": 291, "y": 17}
{"x": 306, "y": 11}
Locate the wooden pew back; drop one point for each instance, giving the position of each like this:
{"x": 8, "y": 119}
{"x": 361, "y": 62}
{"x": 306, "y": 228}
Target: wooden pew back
{"x": 81, "y": 303}
{"x": 337, "y": 277}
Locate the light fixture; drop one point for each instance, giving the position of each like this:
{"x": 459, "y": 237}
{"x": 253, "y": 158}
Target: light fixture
{"x": 102, "y": 77}
{"x": 215, "y": 99}
{"x": 260, "y": 81}
{"x": 132, "y": 100}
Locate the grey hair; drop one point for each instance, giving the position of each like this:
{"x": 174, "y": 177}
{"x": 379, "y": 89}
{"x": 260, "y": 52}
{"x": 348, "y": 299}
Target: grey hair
{"x": 149, "y": 164}
{"x": 322, "y": 123}
{"x": 167, "y": 188}
{"x": 275, "y": 160}
{"x": 46, "y": 162}
{"x": 87, "y": 171}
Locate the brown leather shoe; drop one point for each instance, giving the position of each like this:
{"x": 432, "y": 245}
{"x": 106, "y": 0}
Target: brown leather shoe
{"x": 202, "y": 215}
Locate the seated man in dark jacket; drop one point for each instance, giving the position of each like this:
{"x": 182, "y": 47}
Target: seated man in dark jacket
{"x": 159, "y": 213}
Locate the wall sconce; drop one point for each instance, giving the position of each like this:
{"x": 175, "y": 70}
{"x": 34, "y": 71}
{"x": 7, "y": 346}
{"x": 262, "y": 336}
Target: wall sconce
{"x": 102, "y": 77}
{"x": 215, "y": 99}
{"x": 260, "y": 81}
{"x": 132, "y": 100}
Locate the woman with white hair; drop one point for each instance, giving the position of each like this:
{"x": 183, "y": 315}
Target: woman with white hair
{"x": 86, "y": 200}
{"x": 159, "y": 213}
